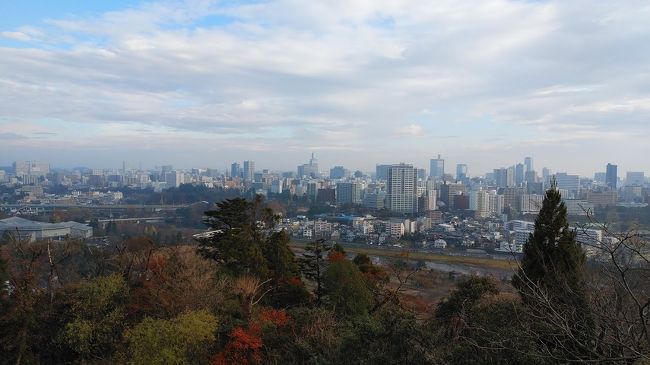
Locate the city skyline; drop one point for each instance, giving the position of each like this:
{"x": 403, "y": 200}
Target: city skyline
{"x": 194, "y": 82}
{"x": 237, "y": 168}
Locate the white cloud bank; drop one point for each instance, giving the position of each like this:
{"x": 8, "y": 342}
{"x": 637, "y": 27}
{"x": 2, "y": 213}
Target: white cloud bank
{"x": 167, "y": 81}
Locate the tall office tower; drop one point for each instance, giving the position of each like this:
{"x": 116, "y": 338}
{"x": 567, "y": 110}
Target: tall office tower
{"x": 504, "y": 177}
{"x": 634, "y": 178}
{"x": 437, "y": 167}
{"x": 348, "y": 193}
{"x": 313, "y": 161}
{"x": 448, "y": 191}
{"x": 249, "y": 170}
{"x": 164, "y": 169}
{"x": 276, "y": 186}
{"x": 235, "y": 170}
{"x": 309, "y": 169}
{"x": 31, "y": 168}
{"x": 519, "y": 174}
{"x": 528, "y": 161}
{"x": 611, "y": 176}
{"x": 461, "y": 173}
{"x": 21, "y": 168}
{"x": 510, "y": 178}
{"x": 210, "y": 172}
{"x": 571, "y": 183}
{"x": 479, "y": 201}
{"x": 312, "y": 190}
{"x": 501, "y": 177}
{"x": 546, "y": 174}
{"x": 497, "y": 203}
{"x": 339, "y": 172}
{"x": 430, "y": 200}
{"x": 381, "y": 172}
{"x": 174, "y": 179}
{"x": 374, "y": 200}
{"x": 511, "y": 197}
{"x": 402, "y": 189}
{"x": 531, "y": 177}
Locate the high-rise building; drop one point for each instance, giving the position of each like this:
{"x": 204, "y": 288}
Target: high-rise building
{"x": 164, "y": 169}
{"x": 546, "y": 176}
{"x": 429, "y": 200}
{"x": 633, "y": 178}
{"x": 611, "y": 176}
{"x": 309, "y": 169}
{"x": 276, "y": 186}
{"x": 173, "y": 179}
{"x": 511, "y": 196}
{"x": 448, "y": 191}
{"x": 313, "y": 161}
{"x": 326, "y": 195}
{"x": 235, "y": 170}
{"x": 312, "y": 189}
{"x": 571, "y": 183}
{"x": 348, "y": 193}
{"x": 461, "y": 173}
{"x": 510, "y": 178}
{"x": 602, "y": 198}
{"x": 530, "y": 203}
{"x": 381, "y": 172}
{"x": 375, "y": 200}
{"x": 504, "y": 177}
{"x": 600, "y": 177}
{"x": 249, "y": 170}
{"x": 339, "y": 172}
{"x": 500, "y": 177}
{"x": 31, "y": 168}
{"x": 528, "y": 161}
{"x": 437, "y": 167}
{"x": 531, "y": 177}
{"x": 519, "y": 174}
{"x": 402, "y": 189}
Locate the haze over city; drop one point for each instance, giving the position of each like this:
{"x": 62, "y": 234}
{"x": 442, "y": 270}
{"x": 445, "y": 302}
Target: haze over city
{"x": 204, "y": 83}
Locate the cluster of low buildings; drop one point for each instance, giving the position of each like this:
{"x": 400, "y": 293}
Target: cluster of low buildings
{"x": 31, "y": 194}
{"x": 456, "y": 233}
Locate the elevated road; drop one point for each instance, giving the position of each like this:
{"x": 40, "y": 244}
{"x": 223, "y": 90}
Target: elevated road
{"x": 157, "y": 207}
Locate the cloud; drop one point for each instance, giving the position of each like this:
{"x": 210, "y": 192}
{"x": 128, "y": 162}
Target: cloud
{"x": 18, "y": 36}
{"x": 414, "y": 130}
{"x": 336, "y": 76}
{"x": 11, "y": 136}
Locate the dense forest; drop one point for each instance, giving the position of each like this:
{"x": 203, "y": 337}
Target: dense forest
{"x": 242, "y": 296}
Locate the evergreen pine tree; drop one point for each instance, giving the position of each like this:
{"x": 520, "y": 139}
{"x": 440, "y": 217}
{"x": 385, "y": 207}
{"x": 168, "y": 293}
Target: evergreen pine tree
{"x": 313, "y": 263}
{"x": 237, "y": 238}
{"x": 551, "y": 279}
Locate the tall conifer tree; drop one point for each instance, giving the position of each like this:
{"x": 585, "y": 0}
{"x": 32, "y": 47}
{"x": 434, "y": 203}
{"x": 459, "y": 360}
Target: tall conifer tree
{"x": 551, "y": 279}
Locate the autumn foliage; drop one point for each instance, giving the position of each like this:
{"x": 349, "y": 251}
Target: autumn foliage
{"x": 335, "y": 256}
{"x": 245, "y": 345}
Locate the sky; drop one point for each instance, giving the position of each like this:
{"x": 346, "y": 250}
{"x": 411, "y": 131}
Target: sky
{"x": 201, "y": 83}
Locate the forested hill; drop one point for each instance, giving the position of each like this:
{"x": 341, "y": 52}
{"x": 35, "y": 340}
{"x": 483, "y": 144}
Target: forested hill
{"x": 241, "y": 296}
